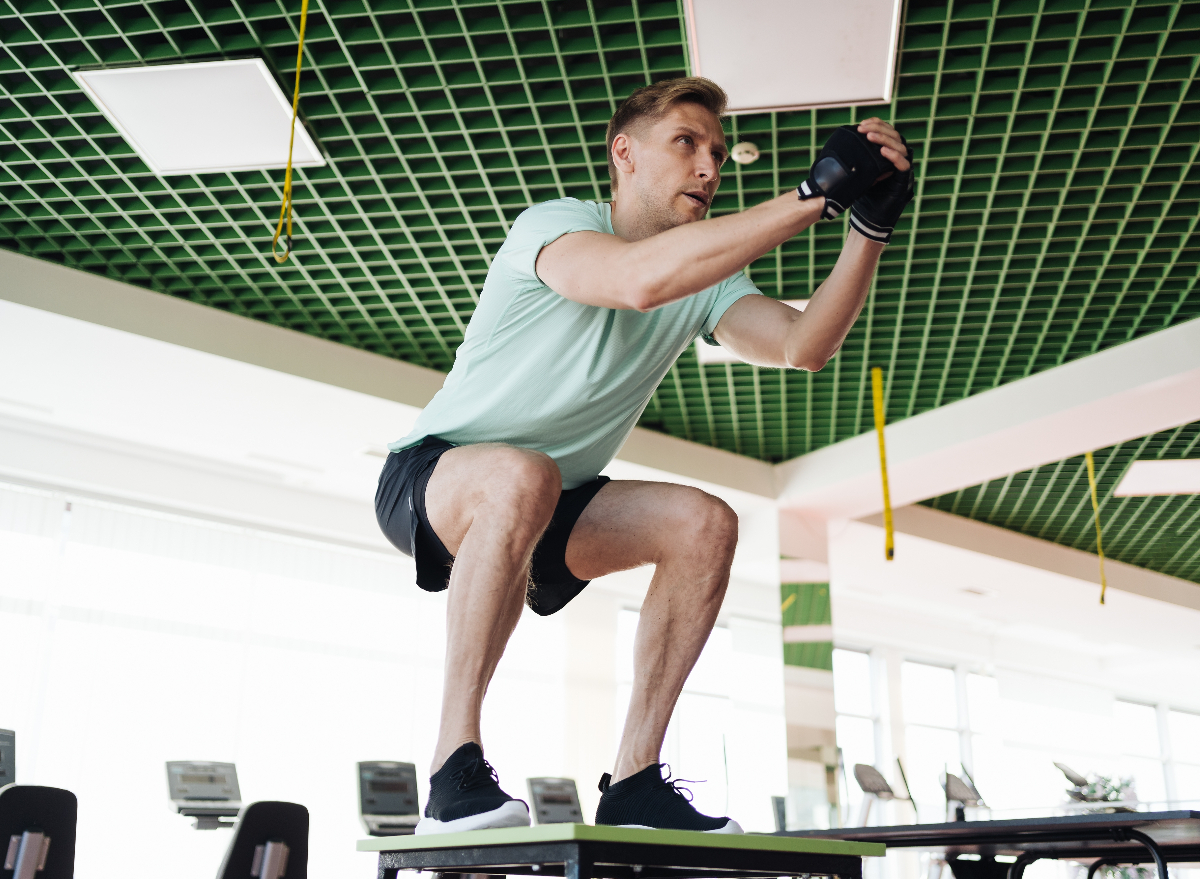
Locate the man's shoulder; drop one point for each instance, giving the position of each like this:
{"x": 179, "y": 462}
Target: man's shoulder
{"x": 558, "y": 210}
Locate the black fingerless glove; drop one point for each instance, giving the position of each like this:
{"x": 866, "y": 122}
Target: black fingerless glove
{"x": 846, "y": 167}
{"x": 876, "y": 212}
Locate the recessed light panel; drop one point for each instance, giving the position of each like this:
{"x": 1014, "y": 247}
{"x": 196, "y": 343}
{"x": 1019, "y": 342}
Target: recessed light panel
{"x": 707, "y": 353}
{"x": 1160, "y": 477}
{"x": 194, "y": 118}
{"x": 795, "y": 54}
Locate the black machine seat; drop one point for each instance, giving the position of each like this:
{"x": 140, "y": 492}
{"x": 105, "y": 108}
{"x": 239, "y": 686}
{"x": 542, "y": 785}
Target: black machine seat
{"x": 36, "y": 823}
{"x": 270, "y": 841}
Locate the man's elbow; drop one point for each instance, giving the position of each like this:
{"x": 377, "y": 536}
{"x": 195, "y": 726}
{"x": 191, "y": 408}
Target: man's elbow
{"x": 808, "y": 360}
{"x": 642, "y": 298}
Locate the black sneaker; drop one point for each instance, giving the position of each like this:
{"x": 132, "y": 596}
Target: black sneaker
{"x": 465, "y": 795}
{"x": 648, "y": 800}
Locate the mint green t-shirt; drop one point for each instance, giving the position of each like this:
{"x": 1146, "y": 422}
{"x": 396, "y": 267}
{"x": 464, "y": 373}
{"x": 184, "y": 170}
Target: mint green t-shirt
{"x": 542, "y": 372}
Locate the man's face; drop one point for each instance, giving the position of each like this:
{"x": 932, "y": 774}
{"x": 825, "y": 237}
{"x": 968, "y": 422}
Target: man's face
{"x": 676, "y": 167}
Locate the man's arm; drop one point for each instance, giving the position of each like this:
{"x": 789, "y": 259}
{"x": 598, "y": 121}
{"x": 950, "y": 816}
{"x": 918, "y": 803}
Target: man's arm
{"x": 767, "y": 332}
{"x": 608, "y": 271}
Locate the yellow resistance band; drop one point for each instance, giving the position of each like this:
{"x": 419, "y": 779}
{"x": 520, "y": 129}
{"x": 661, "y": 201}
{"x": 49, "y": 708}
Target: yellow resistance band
{"x": 877, "y": 393}
{"x": 1091, "y": 469}
{"x": 285, "y": 207}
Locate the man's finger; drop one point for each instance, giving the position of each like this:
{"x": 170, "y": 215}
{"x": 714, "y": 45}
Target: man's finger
{"x": 886, "y": 138}
{"x": 875, "y": 124}
{"x": 888, "y": 143}
{"x": 899, "y": 158}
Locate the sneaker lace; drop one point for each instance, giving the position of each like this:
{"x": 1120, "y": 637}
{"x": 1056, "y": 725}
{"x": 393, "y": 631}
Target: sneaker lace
{"x": 477, "y": 773}
{"x": 676, "y": 784}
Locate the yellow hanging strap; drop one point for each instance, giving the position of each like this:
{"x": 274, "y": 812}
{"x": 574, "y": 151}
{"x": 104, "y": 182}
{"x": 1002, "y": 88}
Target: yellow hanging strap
{"x": 285, "y": 207}
{"x": 877, "y": 393}
{"x": 1091, "y": 469}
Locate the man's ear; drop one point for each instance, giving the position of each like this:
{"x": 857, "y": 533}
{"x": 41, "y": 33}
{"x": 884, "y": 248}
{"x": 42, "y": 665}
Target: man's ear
{"x": 622, "y": 153}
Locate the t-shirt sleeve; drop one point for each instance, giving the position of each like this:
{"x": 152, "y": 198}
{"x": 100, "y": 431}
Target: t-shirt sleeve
{"x": 724, "y": 295}
{"x": 542, "y": 224}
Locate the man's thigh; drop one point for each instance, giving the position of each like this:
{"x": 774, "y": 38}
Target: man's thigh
{"x": 468, "y": 476}
{"x": 629, "y": 524}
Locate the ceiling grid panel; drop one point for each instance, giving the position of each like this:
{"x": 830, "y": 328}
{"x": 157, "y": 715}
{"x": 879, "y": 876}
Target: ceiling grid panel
{"x": 1058, "y": 189}
{"x": 1118, "y": 233}
{"x": 1053, "y": 502}
{"x": 356, "y": 194}
{"x": 158, "y": 242}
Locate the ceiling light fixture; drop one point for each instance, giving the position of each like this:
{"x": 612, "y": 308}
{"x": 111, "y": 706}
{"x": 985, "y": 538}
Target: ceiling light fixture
{"x": 707, "y": 353}
{"x": 1145, "y": 478}
{"x": 202, "y": 117}
{"x": 750, "y": 48}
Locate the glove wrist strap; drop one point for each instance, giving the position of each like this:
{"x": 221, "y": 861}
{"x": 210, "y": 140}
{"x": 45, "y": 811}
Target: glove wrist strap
{"x": 805, "y": 191}
{"x": 869, "y": 230}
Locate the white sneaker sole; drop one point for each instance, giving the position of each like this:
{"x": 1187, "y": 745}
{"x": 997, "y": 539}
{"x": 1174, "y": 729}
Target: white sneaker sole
{"x": 730, "y": 826}
{"x": 514, "y": 813}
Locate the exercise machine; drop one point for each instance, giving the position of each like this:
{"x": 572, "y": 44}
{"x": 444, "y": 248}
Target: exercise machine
{"x": 207, "y": 792}
{"x": 37, "y": 831}
{"x": 779, "y": 810}
{"x": 875, "y": 789}
{"x": 387, "y": 798}
{"x": 8, "y": 757}
{"x": 960, "y": 796}
{"x": 554, "y": 801}
{"x": 270, "y": 841}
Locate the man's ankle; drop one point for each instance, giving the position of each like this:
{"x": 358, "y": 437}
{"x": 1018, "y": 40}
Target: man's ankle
{"x": 442, "y": 753}
{"x": 626, "y": 768}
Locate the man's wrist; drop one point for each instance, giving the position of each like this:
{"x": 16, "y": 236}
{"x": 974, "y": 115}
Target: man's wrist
{"x": 810, "y": 208}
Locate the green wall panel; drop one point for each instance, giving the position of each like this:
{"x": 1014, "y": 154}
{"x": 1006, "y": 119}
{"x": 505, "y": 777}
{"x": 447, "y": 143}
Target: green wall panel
{"x": 807, "y": 604}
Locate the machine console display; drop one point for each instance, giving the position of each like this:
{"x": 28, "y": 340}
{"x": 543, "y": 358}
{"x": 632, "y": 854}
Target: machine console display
{"x": 387, "y": 797}
{"x": 205, "y": 791}
{"x": 554, "y": 801}
{"x": 8, "y": 757}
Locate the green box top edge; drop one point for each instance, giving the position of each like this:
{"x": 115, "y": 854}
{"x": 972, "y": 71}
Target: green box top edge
{"x": 570, "y": 832}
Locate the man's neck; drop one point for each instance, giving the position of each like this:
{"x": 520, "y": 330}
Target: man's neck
{"x": 632, "y": 224}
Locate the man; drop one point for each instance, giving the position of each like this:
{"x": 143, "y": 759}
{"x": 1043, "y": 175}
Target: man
{"x": 496, "y": 492}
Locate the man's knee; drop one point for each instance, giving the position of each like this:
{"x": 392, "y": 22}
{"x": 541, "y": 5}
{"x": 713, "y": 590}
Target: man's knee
{"x": 526, "y": 481}
{"x": 713, "y": 525}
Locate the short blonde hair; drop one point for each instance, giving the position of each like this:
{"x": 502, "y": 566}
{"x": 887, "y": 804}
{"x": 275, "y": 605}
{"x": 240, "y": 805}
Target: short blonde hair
{"x": 650, "y": 103}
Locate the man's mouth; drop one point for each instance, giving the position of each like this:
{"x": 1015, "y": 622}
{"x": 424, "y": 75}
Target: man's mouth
{"x": 699, "y": 198}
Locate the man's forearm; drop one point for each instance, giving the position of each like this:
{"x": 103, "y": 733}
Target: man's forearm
{"x": 687, "y": 259}
{"x": 818, "y": 334}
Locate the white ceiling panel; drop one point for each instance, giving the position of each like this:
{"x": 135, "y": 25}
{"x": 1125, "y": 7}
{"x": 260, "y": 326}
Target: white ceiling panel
{"x": 1160, "y": 477}
{"x": 196, "y": 118}
{"x": 795, "y": 54}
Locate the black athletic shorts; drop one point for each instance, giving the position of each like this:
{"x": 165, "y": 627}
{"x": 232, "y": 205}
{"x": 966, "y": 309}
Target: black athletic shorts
{"x": 400, "y": 509}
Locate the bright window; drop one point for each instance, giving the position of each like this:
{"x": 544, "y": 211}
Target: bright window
{"x": 1184, "y": 731}
{"x": 931, "y": 734}
{"x": 857, "y": 721}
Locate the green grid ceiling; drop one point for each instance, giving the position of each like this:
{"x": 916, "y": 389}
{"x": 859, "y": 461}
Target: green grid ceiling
{"x": 1056, "y": 212}
{"x": 1054, "y": 502}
